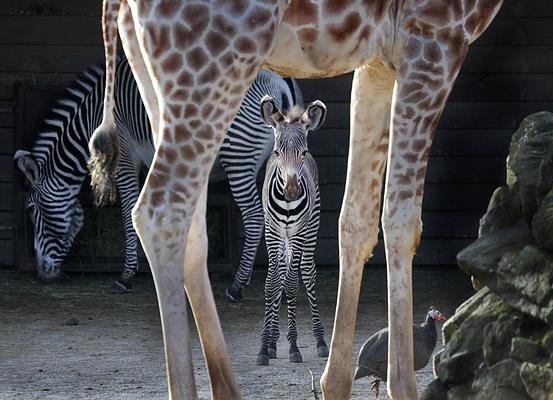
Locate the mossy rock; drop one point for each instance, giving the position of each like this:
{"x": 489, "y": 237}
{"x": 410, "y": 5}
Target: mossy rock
{"x": 464, "y": 350}
{"x": 504, "y": 210}
{"x": 542, "y": 223}
{"x": 525, "y": 281}
{"x": 534, "y": 125}
{"x": 500, "y": 381}
{"x": 480, "y": 258}
{"x": 462, "y": 313}
{"x": 529, "y": 350}
{"x": 530, "y": 161}
{"x": 538, "y": 380}
{"x": 498, "y": 337}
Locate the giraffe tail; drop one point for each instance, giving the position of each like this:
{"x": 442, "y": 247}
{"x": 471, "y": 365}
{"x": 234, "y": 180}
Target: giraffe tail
{"x": 104, "y": 142}
{"x": 104, "y": 158}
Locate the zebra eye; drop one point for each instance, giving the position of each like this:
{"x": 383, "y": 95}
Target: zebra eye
{"x": 303, "y": 153}
{"x": 277, "y": 153}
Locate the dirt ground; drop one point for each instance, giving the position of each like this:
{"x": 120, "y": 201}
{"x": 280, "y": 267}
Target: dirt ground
{"x": 75, "y": 340}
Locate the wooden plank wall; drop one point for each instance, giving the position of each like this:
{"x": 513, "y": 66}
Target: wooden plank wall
{"x": 508, "y": 75}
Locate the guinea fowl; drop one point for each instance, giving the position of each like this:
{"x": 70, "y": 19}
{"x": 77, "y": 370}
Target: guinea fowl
{"x": 373, "y": 356}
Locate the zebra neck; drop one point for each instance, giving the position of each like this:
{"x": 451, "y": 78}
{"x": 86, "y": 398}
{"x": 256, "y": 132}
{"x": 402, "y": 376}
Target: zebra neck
{"x": 61, "y": 150}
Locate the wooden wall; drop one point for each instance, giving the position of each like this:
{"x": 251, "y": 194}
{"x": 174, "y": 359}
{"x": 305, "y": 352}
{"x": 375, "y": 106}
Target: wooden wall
{"x": 508, "y": 74}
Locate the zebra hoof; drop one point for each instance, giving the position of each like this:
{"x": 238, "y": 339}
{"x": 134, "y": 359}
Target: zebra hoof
{"x": 121, "y": 286}
{"x": 272, "y": 353}
{"x": 322, "y": 351}
{"x": 262, "y": 359}
{"x": 234, "y": 295}
{"x": 296, "y": 357}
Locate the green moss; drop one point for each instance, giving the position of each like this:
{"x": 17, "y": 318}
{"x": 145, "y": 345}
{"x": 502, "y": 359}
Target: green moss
{"x": 496, "y": 308}
{"x": 547, "y": 336}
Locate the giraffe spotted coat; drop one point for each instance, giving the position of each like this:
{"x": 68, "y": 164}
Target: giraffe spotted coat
{"x": 194, "y": 62}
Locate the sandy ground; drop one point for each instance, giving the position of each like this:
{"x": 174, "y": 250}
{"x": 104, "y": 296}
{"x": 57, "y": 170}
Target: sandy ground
{"x": 75, "y": 340}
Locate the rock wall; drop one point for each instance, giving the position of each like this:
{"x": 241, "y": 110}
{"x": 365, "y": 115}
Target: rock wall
{"x": 499, "y": 343}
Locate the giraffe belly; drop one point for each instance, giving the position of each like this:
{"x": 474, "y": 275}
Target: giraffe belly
{"x": 297, "y": 57}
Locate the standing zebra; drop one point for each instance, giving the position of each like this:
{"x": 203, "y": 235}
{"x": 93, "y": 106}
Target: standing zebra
{"x": 291, "y": 204}
{"x": 56, "y": 167}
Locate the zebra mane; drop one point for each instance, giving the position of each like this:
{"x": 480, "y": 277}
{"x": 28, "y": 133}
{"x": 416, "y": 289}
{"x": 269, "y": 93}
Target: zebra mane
{"x": 294, "y": 114}
{"x": 62, "y": 113}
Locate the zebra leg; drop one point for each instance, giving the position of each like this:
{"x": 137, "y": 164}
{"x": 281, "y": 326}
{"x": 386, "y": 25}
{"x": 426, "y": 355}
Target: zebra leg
{"x": 273, "y": 289}
{"x": 252, "y": 216}
{"x": 129, "y": 189}
{"x": 275, "y": 330}
{"x": 291, "y": 286}
{"x": 245, "y": 194}
{"x": 309, "y": 277}
{"x": 274, "y": 326}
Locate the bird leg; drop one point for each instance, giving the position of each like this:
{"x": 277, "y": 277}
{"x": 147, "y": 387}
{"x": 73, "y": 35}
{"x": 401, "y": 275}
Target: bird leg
{"x": 376, "y": 387}
{"x": 313, "y": 388}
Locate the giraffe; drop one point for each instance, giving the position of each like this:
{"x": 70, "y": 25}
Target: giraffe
{"x": 194, "y": 62}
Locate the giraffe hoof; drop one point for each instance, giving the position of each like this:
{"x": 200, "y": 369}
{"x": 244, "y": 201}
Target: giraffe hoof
{"x": 322, "y": 351}
{"x": 272, "y": 353}
{"x": 296, "y": 358}
{"x": 262, "y": 359}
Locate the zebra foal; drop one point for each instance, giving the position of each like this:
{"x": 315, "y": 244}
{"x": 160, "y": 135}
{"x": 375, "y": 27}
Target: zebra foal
{"x": 291, "y": 205}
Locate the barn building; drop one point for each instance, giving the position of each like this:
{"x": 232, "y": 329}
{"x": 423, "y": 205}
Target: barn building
{"x": 508, "y": 74}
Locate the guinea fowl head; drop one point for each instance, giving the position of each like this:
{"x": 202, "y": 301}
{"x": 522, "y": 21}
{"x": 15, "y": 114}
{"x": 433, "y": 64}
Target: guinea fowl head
{"x": 435, "y": 314}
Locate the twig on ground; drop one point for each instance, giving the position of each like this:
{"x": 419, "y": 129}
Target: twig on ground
{"x": 313, "y": 388}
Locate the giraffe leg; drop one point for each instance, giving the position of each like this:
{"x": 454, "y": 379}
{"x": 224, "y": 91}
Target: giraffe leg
{"x": 199, "y": 85}
{"x": 420, "y": 94}
{"x": 198, "y": 289}
{"x": 133, "y": 51}
{"x": 358, "y": 230}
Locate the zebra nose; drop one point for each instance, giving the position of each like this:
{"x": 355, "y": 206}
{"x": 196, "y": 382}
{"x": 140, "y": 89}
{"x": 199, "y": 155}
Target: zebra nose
{"x": 292, "y": 189}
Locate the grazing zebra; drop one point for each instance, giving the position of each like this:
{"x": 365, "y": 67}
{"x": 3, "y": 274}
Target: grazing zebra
{"x": 56, "y": 167}
{"x": 291, "y": 205}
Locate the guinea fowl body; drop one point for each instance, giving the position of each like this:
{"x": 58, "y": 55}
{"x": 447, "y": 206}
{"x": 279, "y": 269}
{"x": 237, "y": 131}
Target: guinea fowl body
{"x": 373, "y": 356}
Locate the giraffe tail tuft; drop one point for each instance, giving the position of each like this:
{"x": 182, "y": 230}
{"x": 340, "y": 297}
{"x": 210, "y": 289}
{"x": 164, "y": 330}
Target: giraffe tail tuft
{"x": 104, "y": 157}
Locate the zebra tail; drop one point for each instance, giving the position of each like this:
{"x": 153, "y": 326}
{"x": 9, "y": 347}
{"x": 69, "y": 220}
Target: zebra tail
{"x": 104, "y": 143}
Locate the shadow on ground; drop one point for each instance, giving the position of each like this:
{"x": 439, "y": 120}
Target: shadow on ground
{"x": 75, "y": 340}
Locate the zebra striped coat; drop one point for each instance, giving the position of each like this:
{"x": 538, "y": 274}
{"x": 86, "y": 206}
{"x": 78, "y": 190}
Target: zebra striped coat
{"x": 291, "y": 205}
{"x": 56, "y": 167}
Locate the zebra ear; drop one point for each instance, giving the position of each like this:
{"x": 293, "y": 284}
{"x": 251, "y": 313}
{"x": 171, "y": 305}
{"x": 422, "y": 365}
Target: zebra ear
{"x": 270, "y": 112}
{"x": 314, "y": 115}
{"x": 26, "y": 164}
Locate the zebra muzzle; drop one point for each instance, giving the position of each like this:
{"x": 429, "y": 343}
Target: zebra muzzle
{"x": 292, "y": 189}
